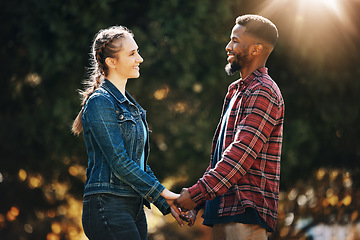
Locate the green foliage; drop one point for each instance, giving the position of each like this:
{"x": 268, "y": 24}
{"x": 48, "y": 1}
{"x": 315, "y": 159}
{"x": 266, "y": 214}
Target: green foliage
{"x": 44, "y": 55}
{"x": 184, "y": 56}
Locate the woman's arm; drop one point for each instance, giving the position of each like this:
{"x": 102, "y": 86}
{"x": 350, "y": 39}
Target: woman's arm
{"x": 101, "y": 118}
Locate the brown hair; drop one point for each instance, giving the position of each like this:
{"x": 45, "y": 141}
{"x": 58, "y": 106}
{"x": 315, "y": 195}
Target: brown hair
{"x": 107, "y": 43}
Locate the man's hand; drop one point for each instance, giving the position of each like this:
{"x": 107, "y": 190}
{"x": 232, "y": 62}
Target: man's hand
{"x": 184, "y": 201}
{"x": 189, "y": 217}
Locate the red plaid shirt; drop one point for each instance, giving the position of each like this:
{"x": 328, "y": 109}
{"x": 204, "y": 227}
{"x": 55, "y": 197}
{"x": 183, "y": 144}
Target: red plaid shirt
{"x": 248, "y": 174}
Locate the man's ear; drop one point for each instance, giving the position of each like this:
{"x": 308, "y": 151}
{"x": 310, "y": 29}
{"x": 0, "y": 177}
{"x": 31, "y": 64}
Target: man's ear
{"x": 110, "y": 62}
{"x": 257, "y": 49}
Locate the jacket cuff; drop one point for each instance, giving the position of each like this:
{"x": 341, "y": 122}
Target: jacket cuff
{"x": 162, "y": 205}
{"x": 154, "y": 193}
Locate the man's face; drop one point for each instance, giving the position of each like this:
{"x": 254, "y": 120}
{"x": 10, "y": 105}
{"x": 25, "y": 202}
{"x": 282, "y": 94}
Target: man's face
{"x": 237, "y": 50}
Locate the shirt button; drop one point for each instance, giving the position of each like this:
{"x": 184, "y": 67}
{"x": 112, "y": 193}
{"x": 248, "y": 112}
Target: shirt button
{"x": 121, "y": 117}
{"x": 150, "y": 199}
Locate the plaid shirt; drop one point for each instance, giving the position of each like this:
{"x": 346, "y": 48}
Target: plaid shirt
{"x": 248, "y": 174}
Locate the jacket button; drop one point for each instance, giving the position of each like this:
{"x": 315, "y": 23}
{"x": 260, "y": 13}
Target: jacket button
{"x": 150, "y": 199}
{"x": 121, "y": 117}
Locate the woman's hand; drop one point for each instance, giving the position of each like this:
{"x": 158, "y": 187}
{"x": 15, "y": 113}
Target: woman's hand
{"x": 189, "y": 217}
{"x": 169, "y": 196}
{"x": 175, "y": 212}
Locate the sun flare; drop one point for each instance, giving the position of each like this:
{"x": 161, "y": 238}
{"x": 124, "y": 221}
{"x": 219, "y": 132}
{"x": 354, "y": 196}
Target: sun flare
{"x": 332, "y": 4}
{"x": 332, "y": 7}
{"x": 320, "y": 7}
{"x": 306, "y": 20}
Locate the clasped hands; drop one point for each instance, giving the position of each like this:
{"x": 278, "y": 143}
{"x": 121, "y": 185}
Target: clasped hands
{"x": 182, "y": 206}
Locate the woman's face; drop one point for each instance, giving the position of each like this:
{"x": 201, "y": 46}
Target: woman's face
{"x": 128, "y": 59}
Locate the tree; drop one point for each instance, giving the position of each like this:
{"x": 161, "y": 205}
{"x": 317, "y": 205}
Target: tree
{"x": 44, "y": 57}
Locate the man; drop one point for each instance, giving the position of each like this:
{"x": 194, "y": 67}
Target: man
{"x": 241, "y": 184}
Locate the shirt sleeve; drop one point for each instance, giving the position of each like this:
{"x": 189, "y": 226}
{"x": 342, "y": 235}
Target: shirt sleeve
{"x": 260, "y": 112}
{"x": 101, "y": 119}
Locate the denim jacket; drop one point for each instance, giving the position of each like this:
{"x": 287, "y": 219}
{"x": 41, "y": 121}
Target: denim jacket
{"x": 114, "y": 140}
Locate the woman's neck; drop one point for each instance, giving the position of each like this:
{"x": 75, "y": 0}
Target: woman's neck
{"x": 120, "y": 84}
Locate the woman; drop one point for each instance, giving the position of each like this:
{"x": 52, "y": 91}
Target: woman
{"x": 119, "y": 181}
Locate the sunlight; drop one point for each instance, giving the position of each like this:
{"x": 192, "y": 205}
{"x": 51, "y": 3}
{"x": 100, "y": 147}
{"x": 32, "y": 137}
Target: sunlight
{"x": 318, "y": 10}
{"x": 313, "y": 9}
{"x": 305, "y": 23}
{"x": 323, "y": 7}
{"x": 333, "y": 5}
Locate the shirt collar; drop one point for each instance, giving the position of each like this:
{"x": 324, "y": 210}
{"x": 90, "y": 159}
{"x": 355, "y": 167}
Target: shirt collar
{"x": 257, "y": 73}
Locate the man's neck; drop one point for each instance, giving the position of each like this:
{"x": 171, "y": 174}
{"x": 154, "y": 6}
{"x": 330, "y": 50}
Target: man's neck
{"x": 247, "y": 71}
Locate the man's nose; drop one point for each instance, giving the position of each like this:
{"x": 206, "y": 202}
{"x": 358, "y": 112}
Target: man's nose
{"x": 228, "y": 47}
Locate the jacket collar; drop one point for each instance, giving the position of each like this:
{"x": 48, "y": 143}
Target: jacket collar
{"x": 114, "y": 91}
{"x": 109, "y": 87}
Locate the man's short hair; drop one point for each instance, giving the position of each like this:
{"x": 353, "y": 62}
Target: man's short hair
{"x": 259, "y": 27}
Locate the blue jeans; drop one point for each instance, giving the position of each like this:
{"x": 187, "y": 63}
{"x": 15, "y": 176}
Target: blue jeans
{"x": 110, "y": 217}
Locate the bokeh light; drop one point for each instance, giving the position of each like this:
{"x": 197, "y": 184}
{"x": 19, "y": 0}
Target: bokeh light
{"x": 322, "y": 203}
{"x": 162, "y": 93}
{"x": 12, "y": 214}
{"x": 35, "y": 181}
{"x": 22, "y": 175}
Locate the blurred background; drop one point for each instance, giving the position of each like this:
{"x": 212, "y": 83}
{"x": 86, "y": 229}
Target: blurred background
{"x": 44, "y": 51}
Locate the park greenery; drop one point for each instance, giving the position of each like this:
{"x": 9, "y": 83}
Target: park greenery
{"x": 44, "y": 58}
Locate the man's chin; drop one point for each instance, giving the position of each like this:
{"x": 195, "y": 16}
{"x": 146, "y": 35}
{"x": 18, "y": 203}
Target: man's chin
{"x": 230, "y": 70}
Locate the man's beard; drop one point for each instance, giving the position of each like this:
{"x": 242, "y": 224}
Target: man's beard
{"x": 230, "y": 69}
{"x": 237, "y": 64}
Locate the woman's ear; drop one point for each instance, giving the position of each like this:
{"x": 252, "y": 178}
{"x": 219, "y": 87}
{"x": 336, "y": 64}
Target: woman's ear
{"x": 110, "y": 62}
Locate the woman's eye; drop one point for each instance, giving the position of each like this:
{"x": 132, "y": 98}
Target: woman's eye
{"x": 133, "y": 53}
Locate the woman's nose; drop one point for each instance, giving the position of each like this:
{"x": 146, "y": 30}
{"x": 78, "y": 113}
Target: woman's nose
{"x": 140, "y": 59}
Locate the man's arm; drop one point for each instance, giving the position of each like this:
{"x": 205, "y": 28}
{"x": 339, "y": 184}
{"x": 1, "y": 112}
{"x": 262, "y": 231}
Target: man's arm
{"x": 261, "y": 110}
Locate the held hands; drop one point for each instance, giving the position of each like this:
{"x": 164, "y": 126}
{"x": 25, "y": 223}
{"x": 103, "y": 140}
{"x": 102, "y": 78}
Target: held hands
{"x": 181, "y": 206}
{"x": 189, "y": 217}
{"x": 187, "y": 205}
{"x": 184, "y": 202}
{"x": 175, "y": 212}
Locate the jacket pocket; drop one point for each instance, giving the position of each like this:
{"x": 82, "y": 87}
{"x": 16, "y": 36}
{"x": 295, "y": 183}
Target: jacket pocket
{"x": 127, "y": 125}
